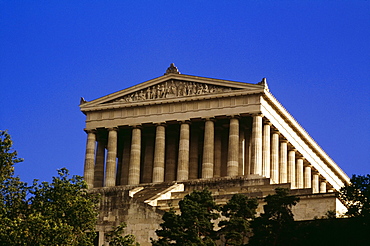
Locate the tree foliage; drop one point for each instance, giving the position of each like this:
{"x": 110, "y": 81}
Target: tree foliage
{"x": 238, "y": 211}
{"x": 356, "y": 196}
{"x": 194, "y": 225}
{"x": 58, "y": 213}
{"x": 275, "y": 225}
{"x": 116, "y": 237}
{"x": 8, "y": 157}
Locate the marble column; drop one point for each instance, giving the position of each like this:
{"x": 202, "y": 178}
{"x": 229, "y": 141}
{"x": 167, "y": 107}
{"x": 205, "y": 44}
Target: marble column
{"x": 99, "y": 164}
{"x": 134, "y": 166}
{"x": 159, "y": 154}
{"x": 110, "y": 175}
{"x": 256, "y": 145}
{"x": 194, "y": 152}
{"x": 299, "y": 174}
{"x": 283, "y": 170}
{"x": 266, "y": 150}
{"x": 291, "y": 169}
{"x": 322, "y": 187}
{"x": 208, "y": 149}
{"x": 274, "y": 175}
{"x": 315, "y": 183}
{"x": 233, "y": 151}
{"x": 90, "y": 158}
{"x": 183, "y": 159}
{"x": 241, "y": 151}
{"x": 307, "y": 177}
{"x": 218, "y": 152}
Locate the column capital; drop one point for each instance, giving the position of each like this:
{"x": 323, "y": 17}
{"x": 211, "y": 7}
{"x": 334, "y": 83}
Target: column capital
{"x": 291, "y": 148}
{"x": 90, "y": 130}
{"x": 267, "y": 122}
{"x": 308, "y": 165}
{"x": 137, "y": 126}
{"x": 161, "y": 124}
{"x": 314, "y": 171}
{"x": 112, "y": 129}
{"x": 322, "y": 179}
{"x": 209, "y": 119}
{"x": 299, "y": 155}
{"x": 284, "y": 140}
{"x": 185, "y": 122}
{"x": 237, "y": 116}
{"x": 275, "y": 131}
{"x": 258, "y": 114}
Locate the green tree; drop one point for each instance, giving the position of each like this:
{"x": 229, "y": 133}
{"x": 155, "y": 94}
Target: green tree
{"x": 8, "y": 157}
{"x": 13, "y": 192}
{"x": 116, "y": 237}
{"x": 275, "y": 225}
{"x": 356, "y": 196}
{"x": 238, "y": 211}
{"x": 194, "y": 225}
{"x": 58, "y": 213}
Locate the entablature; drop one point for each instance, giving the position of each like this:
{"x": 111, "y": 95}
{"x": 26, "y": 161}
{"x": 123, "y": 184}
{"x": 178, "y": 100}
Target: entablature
{"x": 174, "y": 110}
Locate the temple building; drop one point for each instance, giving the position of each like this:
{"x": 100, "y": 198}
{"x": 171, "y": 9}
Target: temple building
{"x": 151, "y": 144}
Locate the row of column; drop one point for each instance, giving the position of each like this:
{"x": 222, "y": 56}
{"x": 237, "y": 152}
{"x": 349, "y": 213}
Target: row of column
{"x": 95, "y": 167}
{"x": 272, "y": 159}
{"x": 262, "y": 151}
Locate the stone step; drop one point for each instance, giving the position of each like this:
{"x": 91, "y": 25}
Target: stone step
{"x": 149, "y": 191}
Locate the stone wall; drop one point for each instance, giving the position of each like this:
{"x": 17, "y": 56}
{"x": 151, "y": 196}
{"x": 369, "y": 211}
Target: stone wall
{"x": 316, "y": 206}
{"x": 117, "y": 206}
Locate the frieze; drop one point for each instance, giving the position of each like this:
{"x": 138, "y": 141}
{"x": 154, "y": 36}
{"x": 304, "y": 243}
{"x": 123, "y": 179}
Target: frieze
{"x": 171, "y": 89}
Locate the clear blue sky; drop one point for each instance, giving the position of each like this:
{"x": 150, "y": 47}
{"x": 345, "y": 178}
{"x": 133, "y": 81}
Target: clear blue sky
{"x": 314, "y": 54}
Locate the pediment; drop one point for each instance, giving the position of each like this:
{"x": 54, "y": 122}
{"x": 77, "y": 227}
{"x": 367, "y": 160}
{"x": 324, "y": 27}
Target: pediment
{"x": 171, "y": 86}
{"x": 171, "y": 89}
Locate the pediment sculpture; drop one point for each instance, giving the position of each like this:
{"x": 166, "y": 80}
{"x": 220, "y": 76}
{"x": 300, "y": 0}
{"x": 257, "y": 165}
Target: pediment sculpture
{"x": 171, "y": 89}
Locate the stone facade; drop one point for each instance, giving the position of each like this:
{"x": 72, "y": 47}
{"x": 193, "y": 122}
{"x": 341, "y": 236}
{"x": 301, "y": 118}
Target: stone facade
{"x": 151, "y": 144}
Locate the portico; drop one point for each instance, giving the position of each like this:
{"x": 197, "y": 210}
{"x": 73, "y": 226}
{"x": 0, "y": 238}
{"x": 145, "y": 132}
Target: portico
{"x": 180, "y": 127}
